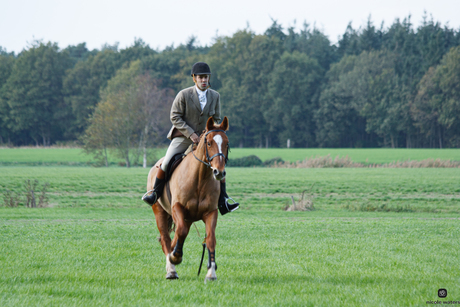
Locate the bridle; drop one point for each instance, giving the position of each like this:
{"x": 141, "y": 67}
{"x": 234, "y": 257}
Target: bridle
{"x": 209, "y": 159}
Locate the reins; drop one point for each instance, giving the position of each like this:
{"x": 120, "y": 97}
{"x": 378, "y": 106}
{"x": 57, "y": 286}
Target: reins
{"x": 204, "y": 248}
{"x": 202, "y": 255}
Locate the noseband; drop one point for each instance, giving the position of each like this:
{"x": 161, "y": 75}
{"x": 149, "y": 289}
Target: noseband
{"x": 209, "y": 159}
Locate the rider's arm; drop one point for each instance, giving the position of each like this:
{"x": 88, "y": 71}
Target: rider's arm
{"x": 177, "y": 115}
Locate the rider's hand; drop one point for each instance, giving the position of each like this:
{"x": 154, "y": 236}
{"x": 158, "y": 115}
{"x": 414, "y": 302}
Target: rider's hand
{"x": 195, "y": 139}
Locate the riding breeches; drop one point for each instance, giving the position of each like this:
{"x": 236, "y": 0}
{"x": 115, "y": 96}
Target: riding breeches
{"x": 178, "y": 145}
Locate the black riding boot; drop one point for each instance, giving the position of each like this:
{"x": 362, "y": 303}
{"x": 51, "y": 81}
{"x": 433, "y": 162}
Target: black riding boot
{"x": 158, "y": 188}
{"x": 224, "y": 206}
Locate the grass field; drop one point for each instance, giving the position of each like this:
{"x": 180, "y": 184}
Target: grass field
{"x": 76, "y": 157}
{"x": 111, "y": 257}
{"x": 261, "y": 189}
{"x": 377, "y": 237}
{"x": 362, "y": 155}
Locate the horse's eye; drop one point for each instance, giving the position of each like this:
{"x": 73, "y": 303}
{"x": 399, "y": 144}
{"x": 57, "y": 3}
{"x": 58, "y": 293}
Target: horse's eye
{"x": 209, "y": 144}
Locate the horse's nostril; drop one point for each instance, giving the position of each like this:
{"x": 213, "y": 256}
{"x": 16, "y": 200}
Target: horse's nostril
{"x": 216, "y": 172}
{"x": 224, "y": 173}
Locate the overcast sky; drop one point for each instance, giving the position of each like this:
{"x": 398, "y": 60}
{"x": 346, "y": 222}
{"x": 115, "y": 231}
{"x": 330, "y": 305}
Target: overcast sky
{"x": 164, "y": 23}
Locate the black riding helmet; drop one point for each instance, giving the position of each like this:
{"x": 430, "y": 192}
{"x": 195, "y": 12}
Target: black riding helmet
{"x": 200, "y": 68}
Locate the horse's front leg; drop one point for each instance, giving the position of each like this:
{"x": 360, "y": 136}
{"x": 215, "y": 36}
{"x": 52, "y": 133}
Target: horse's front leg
{"x": 182, "y": 229}
{"x": 210, "y": 220}
{"x": 163, "y": 223}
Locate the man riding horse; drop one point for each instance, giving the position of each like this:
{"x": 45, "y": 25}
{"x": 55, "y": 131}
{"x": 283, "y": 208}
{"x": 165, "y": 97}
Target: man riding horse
{"x": 190, "y": 110}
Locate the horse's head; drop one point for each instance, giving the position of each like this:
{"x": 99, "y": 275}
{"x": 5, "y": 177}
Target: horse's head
{"x": 216, "y": 147}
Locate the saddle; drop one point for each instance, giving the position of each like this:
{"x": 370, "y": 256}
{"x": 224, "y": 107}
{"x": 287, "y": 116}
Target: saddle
{"x": 173, "y": 164}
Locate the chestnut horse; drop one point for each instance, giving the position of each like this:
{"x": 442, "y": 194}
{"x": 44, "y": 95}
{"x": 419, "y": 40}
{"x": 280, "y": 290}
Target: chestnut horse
{"x": 195, "y": 189}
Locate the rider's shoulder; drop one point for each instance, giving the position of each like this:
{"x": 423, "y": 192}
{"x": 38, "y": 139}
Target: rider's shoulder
{"x": 213, "y": 92}
{"x": 186, "y": 92}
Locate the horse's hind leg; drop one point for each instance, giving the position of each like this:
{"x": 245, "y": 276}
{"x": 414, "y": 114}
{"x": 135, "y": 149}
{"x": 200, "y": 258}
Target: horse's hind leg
{"x": 164, "y": 226}
{"x": 182, "y": 229}
{"x": 211, "y": 222}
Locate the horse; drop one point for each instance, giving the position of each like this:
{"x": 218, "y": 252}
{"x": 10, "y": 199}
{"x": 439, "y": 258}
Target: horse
{"x": 194, "y": 193}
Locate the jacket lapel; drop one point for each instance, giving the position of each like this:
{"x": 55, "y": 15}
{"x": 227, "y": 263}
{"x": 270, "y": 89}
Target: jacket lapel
{"x": 195, "y": 99}
{"x": 208, "y": 102}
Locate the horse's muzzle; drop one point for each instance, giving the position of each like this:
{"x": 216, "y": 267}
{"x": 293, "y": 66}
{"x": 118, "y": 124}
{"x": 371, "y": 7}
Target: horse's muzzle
{"x": 218, "y": 174}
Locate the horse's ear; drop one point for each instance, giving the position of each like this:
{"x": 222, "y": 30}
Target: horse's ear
{"x": 210, "y": 124}
{"x": 224, "y": 124}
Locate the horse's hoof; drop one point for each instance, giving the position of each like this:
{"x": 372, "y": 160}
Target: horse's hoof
{"x": 172, "y": 275}
{"x": 175, "y": 260}
{"x": 210, "y": 279}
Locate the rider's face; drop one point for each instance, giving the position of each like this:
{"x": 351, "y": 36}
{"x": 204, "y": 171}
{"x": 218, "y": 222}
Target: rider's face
{"x": 202, "y": 81}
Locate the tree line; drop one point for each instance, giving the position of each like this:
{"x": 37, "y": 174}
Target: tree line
{"x": 395, "y": 86}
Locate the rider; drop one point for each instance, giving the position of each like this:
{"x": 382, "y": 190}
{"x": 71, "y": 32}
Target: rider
{"x": 189, "y": 113}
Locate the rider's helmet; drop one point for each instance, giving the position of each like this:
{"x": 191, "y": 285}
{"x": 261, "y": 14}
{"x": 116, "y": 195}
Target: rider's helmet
{"x": 200, "y": 68}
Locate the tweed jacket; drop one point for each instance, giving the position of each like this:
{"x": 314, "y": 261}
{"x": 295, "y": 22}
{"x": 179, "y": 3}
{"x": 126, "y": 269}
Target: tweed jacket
{"x": 186, "y": 114}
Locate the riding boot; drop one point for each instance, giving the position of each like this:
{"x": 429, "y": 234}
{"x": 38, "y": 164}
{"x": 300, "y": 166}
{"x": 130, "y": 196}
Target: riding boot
{"x": 224, "y": 206}
{"x": 158, "y": 188}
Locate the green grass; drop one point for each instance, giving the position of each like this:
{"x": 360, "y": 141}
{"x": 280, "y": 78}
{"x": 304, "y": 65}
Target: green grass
{"x": 420, "y": 190}
{"x": 367, "y": 155}
{"x": 43, "y": 155}
{"x": 76, "y": 157}
{"x": 96, "y": 244}
{"x": 282, "y": 259}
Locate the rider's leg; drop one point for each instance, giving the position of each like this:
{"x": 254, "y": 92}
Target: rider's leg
{"x": 178, "y": 145}
{"x": 158, "y": 188}
{"x": 224, "y": 206}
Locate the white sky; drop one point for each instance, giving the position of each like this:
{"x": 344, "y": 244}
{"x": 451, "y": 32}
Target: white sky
{"x": 163, "y": 23}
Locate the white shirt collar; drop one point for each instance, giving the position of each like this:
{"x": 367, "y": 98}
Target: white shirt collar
{"x": 202, "y": 97}
{"x": 200, "y": 92}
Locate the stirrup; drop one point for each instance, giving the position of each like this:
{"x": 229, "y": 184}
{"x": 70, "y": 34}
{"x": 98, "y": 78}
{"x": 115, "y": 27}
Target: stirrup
{"x": 147, "y": 198}
{"x": 231, "y": 207}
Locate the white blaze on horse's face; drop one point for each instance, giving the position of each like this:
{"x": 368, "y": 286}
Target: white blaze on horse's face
{"x": 219, "y": 141}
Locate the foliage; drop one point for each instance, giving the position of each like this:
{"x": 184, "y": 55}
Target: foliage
{"x": 6, "y": 67}
{"x": 249, "y": 161}
{"x": 10, "y": 198}
{"x": 376, "y": 87}
{"x": 436, "y": 108}
{"x": 337, "y": 120}
{"x": 305, "y": 202}
{"x": 132, "y": 112}
{"x": 273, "y": 161}
{"x": 293, "y": 88}
{"x": 82, "y": 85}
{"x": 33, "y": 93}
{"x": 32, "y": 197}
